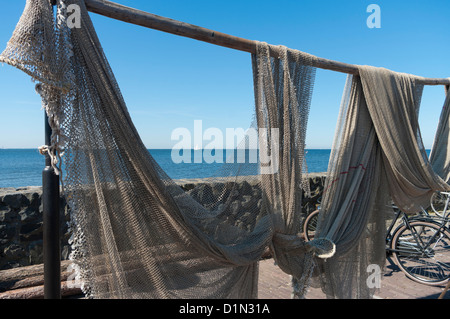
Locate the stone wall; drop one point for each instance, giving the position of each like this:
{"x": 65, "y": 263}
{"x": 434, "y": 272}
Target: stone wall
{"x": 21, "y": 227}
{"x": 21, "y": 223}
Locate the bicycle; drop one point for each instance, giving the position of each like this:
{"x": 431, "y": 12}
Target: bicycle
{"x": 419, "y": 244}
{"x": 310, "y": 225}
{"x": 439, "y": 203}
{"x": 420, "y": 247}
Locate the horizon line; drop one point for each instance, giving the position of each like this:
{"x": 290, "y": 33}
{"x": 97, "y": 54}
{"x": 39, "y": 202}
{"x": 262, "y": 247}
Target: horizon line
{"x": 171, "y": 148}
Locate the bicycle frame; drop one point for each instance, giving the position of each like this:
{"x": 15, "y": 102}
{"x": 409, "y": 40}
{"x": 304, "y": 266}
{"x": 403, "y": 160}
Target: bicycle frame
{"x": 406, "y": 222}
{"x": 390, "y": 233}
{"x": 444, "y": 218}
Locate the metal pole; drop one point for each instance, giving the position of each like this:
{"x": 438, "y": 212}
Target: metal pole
{"x": 130, "y": 15}
{"x": 51, "y": 219}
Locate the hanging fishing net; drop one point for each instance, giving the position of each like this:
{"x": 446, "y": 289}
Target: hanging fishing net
{"x": 136, "y": 233}
{"x": 440, "y": 152}
{"x": 377, "y": 157}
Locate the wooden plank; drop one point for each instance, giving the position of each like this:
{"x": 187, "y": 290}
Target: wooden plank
{"x": 37, "y": 292}
{"x": 148, "y": 20}
{"x": 441, "y": 296}
{"x": 141, "y": 18}
{"x": 26, "y": 276}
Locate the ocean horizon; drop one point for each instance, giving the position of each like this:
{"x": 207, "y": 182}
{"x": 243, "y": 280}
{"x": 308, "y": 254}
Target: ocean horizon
{"x": 23, "y": 167}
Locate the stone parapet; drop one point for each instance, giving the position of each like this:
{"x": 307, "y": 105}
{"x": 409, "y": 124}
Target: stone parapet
{"x": 21, "y": 225}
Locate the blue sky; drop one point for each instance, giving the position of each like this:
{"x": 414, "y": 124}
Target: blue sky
{"x": 170, "y": 81}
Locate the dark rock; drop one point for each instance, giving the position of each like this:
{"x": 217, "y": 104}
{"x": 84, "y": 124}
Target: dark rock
{"x": 188, "y": 187}
{"x": 29, "y": 228}
{"x": 247, "y": 218}
{"x": 14, "y": 251}
{"x": 29, "y": 214}
{"x": 232, "y": 191}
{"x": 31, "y": 232}
{"x": 65, "y": 253}
{"x": 245, "y": 188}
{"x": 7, "y": 232}
{"x": 259, "y": 204}
{"x": 218, "y": 189}
{"x": 9, "y": 265}
{"x": 34, "y": 199}
{"x": 235, "y": 207}
{"x": 256, "y": 192}
{"x": 248, "y": 202}
{"x": 15, "y": 201}
{"x": 7, "y": 215}
{"x": 36, "y": 252}
{"x": 203, "y": 194}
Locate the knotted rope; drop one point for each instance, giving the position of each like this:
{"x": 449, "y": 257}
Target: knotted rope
{"x": 322, "y": 248}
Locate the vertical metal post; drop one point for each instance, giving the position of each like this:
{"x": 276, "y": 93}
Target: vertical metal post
{"x": 50, "y": 198}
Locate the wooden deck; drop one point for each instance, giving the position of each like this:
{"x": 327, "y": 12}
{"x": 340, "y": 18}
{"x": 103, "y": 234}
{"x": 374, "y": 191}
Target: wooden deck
{"x": 274, "y": 284}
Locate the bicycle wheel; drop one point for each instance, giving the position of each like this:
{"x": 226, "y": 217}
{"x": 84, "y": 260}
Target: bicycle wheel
{"x": 438, "y": 203}
{"x": 422, "y": 252}
{"x": 309, "y": 227}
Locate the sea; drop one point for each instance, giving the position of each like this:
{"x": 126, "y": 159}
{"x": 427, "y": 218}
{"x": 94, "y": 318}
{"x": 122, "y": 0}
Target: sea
{"x": 23, "y": 167}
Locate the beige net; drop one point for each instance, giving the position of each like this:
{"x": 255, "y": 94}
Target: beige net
{"x": 393, "y": 100}
{"x": 377, "y": 156}
{"x": 137, "y": 234}
{"x": 440, "y": 152}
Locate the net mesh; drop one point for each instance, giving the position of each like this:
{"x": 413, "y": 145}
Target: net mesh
{"x": 138, "y": 234}
{"x": 377, "y": 156}
{"x": 440, "y": 152}
{"x": 354, "y": 203}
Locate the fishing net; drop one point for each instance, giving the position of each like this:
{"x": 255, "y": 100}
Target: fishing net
{"x": 138, "y": 234}
{"x": 377, "y": 156}
{"x": 354, "y": 201}
{"x": 440, "y": 152}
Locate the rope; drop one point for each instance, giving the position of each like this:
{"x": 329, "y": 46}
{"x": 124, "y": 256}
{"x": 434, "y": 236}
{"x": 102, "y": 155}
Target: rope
{"x": 55, "y": 160}
{"x": 48, "y": 150}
